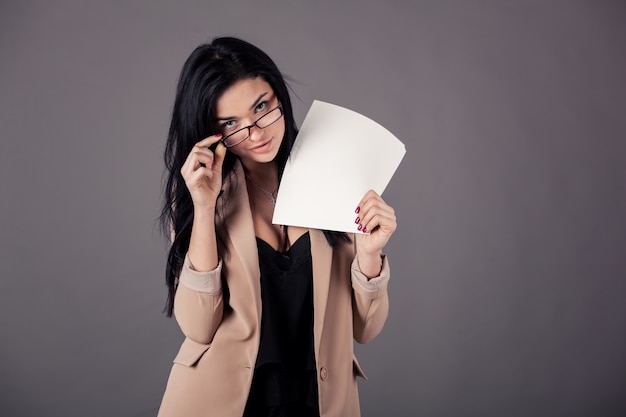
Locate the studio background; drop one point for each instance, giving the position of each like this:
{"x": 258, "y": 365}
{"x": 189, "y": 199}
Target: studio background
{"x": 508, "y": 266}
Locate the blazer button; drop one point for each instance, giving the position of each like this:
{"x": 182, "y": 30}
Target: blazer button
{"x": 323, "y": 373}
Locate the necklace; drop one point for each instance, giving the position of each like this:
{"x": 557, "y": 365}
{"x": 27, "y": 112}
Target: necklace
{"x": 269, "y": 195}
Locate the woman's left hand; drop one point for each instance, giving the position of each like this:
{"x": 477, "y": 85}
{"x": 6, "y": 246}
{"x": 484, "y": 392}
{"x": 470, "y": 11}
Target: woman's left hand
{"x": 377, "y": 218}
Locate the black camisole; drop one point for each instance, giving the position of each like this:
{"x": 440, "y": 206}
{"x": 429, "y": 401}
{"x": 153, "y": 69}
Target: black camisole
{"x": 285, "y": 377}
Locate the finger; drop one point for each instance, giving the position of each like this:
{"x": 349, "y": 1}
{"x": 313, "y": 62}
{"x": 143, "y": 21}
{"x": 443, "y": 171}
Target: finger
{"x": 197, "y": 157}
{"x": 202, "y": 157}
{"x": 371, "y": 194}
{"x": 370, "y": 215}
{"x": 219, "y": 154}
{"x": 382, "y": 223}
{"x": 199, "y": 177}
{"x": 372, "y": 199}
{"x": 187, "y": 167}
{"x": 374, "y": 203}
{"x": 371, "y": 204}
{"x": 205, "y": 143}
{"x": 372, "y": 208}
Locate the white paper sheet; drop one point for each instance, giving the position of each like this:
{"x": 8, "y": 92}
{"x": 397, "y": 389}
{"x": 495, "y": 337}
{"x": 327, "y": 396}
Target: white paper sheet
{"x": 337, "y": 157}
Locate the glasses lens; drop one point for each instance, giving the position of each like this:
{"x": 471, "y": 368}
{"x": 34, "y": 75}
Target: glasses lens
{"x": 236, "y": 138}
{"x": 269, "y": 118}
{"x": 264, "y": 121}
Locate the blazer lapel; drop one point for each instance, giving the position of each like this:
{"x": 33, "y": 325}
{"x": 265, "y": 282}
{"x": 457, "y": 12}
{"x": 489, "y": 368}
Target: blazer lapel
{"x": 322, "y": 256}
{"x": 240, "y": 232}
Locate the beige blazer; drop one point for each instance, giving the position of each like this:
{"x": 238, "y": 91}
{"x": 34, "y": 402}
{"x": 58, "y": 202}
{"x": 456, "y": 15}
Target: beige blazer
{"x": 219, "y": 312}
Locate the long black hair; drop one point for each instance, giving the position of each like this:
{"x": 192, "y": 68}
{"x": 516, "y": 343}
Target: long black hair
{"x": 208, "y": 72}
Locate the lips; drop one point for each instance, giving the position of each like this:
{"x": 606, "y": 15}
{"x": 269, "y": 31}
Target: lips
{"x": 262, "y": 147}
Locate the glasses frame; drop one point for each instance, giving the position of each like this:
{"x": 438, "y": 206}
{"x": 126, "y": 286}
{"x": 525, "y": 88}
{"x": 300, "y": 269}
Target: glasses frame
{"x": 256, "y": 123}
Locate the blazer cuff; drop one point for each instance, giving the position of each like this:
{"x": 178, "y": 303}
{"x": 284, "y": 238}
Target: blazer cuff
{"x": 371, "y": 286}
{"x": 208, "y": 282}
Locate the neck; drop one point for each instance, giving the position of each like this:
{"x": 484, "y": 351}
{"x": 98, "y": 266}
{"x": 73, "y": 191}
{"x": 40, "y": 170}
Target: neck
{"x": 262, "y": 185}
{"x": 265, "y": 175}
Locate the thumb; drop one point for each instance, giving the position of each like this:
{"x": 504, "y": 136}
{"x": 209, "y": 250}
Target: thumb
{"x": 218, "y": 159}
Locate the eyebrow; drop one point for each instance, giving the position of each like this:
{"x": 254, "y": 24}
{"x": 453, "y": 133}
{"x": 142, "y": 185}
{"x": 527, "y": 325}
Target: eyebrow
{"x": 251, "y": 107}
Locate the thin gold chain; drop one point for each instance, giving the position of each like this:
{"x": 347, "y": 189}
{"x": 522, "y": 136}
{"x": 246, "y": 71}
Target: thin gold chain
{"x": 269, "y": 195}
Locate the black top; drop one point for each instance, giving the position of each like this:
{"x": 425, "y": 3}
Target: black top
{"x": 285, "y": 377}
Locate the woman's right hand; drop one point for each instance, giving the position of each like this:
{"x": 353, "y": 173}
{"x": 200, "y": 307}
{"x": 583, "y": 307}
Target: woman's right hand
{"x": 202, "y": 172}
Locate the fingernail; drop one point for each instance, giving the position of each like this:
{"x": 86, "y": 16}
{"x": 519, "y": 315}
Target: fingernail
{"x": 364, "y": 230}
{"x": 219, "y": 135}
{"x": 360, "y": 227}
{"x": 358, "y": 209}
{"x": 358, "y": 220}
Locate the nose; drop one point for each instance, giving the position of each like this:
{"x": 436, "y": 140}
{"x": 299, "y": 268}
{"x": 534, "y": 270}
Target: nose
{"x": 256, "y": 133}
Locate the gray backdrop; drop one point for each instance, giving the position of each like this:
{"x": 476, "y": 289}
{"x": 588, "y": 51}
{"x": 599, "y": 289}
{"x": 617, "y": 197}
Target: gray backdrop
{"x": 509, "y": 266}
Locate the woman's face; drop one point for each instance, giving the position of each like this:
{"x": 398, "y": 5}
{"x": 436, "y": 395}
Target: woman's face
{"x": 242, "y": 105}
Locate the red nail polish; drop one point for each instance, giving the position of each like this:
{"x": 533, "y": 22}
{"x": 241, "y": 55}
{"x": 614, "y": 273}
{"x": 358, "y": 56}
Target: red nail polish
{"x": 358, "y": 209}
{"x": 364, "y": 230}
{"x": 219, "y": 135}
{"x": 358, "y": 220}
{"x": 360, "y": 227}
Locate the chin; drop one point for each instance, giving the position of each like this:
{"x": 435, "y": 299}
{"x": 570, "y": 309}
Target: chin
{"x": 264, "y": 159}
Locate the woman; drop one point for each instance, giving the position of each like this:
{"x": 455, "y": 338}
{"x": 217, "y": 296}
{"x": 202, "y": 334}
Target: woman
{"x": 269, "y": 312}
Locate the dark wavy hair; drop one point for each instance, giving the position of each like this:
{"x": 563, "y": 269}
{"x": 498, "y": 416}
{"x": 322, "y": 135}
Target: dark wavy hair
{"x": 208, "y": 72}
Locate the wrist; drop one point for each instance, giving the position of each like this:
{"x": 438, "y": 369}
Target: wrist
{"x": 200, "y": 211}
{"x": 370, "y": 264}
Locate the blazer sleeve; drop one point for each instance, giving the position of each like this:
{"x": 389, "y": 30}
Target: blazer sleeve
{"x": 370, "y": 302}
{"x": 199, "y": 303}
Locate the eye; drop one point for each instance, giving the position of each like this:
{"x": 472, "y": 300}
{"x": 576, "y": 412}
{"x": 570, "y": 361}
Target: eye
{"x": 260, "y": 107}
{"x": 229, "y": 125}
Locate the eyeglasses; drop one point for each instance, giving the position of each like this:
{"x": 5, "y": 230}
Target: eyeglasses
{"x": 262, "y": 122}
